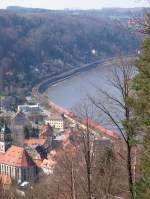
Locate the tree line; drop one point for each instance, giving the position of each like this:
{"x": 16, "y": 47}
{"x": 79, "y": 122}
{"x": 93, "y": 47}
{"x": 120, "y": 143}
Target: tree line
{"x": 35, "y": 44}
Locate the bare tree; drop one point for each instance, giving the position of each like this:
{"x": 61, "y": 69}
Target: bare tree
{"x": 87, "y": 143}
{"x": 86, "y": 170}
{"x": 124, "y": 123}
{"x": 99, "y": 157}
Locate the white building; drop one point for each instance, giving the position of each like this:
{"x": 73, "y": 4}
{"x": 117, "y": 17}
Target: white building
{"x": 28, "y": 108}
{"x": 56, "y": 121}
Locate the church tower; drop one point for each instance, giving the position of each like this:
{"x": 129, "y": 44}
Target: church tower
{"x": 5, "y": 138}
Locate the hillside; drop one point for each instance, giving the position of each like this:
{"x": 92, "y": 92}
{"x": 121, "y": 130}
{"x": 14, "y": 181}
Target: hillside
{"x": 37, "y": 42}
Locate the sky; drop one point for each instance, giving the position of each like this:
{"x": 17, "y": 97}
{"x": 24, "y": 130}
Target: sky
{"x": 79, "y": 4}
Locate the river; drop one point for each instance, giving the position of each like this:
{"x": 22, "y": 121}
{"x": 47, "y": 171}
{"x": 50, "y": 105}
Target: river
{"x": 73, "y": 91}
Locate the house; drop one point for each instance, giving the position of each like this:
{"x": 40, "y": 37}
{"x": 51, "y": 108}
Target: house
{"x": 34, "y": 142}
{"x": 42, "y": 143}
{"x": 15, "y": 162}
{"x": 18, "y": 123}
{"x": 46, "y": 133}
{"x": 56, "y": 121}
{"x": 37, "y": 148}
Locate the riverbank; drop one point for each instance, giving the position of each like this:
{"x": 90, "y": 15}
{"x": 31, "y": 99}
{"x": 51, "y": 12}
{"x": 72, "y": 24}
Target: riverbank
{"x": 38, "y": 92}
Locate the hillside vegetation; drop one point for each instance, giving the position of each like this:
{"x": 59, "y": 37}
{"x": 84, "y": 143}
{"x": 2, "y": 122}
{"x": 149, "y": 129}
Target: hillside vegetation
{"x": 37, "y": 42}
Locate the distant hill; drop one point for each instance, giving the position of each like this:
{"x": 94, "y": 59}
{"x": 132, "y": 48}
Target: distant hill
{"x": 124, "y": 12}
{"x": 37, "y": 42}
{"x": 104, "y": 12}
{"x": 18, "y": 9}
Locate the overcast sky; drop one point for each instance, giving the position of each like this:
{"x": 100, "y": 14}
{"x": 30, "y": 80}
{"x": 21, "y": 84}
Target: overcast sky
{"x": 82, "y": 4}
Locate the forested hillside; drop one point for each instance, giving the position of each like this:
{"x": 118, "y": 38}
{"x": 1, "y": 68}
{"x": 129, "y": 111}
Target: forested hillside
{"x": 36, "y": 42}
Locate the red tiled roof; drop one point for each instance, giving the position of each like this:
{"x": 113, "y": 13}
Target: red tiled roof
{"x": 35, "y": 141}
{"x": 17, "y": 156}
{"x": 1, "y": 155}
{"x": 45, "y": 130}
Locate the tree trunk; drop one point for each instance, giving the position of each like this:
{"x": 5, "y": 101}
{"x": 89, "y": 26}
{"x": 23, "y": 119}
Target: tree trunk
{"x": 73, "y": 193}
{"x": 89, "y": 166}
{"x": 129, "y": 167}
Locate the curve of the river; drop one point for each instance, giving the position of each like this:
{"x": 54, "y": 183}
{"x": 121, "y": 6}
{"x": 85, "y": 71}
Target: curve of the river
{"x": 73, "y": 91}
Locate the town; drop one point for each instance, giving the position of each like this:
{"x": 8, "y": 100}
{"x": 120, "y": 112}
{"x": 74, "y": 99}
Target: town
{"x": 33, "y": 136}
{"x": 75, "y": 99}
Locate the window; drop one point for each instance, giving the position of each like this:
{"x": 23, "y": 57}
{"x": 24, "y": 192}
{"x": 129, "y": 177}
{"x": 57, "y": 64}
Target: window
{"x": 2, "y": 168}
{"x": 24, "y": 174}
{"x": 17, "y": 173}
{"x": 10, "y": 171}
{"x": 5, "y": 169}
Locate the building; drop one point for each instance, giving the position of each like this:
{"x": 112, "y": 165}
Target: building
{"x": 5, "y": 139}
{"x": 18, "y": 123}
{"x": 46, "y": 133}
{"x": 56, "y": 121}
{"x": 28, "y": 108}
{"x": 15, "y": 162}
{"x": 44, "y": 140}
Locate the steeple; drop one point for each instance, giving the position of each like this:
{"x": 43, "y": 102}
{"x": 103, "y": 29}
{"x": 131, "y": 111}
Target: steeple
{"x": 5, "y": 138}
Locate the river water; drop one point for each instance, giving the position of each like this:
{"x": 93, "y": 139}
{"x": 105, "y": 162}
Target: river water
{"x": 73, "y": 91}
